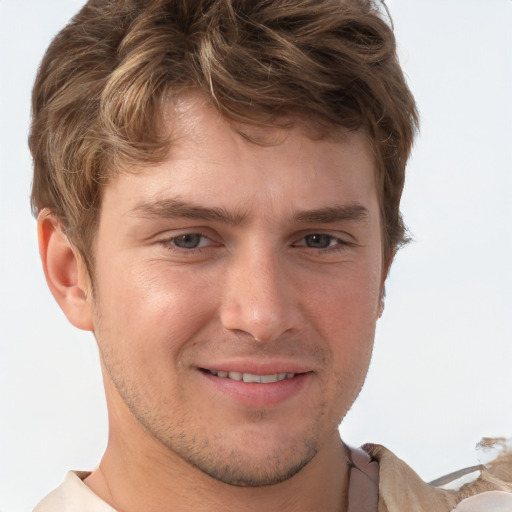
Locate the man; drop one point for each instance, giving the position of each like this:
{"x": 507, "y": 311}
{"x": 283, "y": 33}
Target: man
{"x": 217, "y": 186}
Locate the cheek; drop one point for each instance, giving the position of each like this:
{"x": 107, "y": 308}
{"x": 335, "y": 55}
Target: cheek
{"x": 348, "y": 300}
{"x": 150, "y": 309}
{"x": 346, "y": 316}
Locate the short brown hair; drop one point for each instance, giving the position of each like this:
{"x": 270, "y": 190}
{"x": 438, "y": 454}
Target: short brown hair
{"x": 106, "y": 75}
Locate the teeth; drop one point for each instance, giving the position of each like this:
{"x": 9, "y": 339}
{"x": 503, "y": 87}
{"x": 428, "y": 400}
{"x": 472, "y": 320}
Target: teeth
{"x": 265, "y": 379}
{"x": 250, "y": 377}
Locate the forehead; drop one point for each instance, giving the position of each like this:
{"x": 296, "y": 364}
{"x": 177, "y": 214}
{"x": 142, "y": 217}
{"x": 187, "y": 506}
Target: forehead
{"x": 213, "y": 160}
{"x": 189, "y": 117}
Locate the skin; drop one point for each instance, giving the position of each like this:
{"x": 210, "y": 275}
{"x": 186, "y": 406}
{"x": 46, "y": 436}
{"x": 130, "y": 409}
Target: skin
{"x": 229, "y": 256}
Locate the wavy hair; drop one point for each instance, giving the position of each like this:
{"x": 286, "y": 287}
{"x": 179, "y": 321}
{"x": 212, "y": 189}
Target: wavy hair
{"x": 106, "y": 76}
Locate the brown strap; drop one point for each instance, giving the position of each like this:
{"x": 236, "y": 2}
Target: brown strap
{"x": 363, "y": 488}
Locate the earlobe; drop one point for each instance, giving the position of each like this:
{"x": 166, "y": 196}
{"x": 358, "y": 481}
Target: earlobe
{"x": 385, "y": 273}
{"x": 382, "y": 303}
{"x": 64, "y": 271}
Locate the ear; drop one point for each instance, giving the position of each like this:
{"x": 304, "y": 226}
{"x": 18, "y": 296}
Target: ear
{"x": 65, "y": 272}
{"x": 385, "y": 272}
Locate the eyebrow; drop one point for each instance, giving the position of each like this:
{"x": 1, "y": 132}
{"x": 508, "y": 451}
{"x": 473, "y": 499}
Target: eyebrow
{"x": 349, "y": 212}
{"x": 175, "y": 208}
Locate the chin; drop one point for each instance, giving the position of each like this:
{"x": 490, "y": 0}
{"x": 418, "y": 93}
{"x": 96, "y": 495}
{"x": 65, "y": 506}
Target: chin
{"x": 250, "y": 470}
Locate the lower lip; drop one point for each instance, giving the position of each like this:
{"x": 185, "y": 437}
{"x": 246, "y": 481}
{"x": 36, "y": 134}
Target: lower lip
{"x": 256, "y": 395}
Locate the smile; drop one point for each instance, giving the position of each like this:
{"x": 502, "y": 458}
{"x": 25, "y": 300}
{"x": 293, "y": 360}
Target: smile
{"x": 250, "y": 377}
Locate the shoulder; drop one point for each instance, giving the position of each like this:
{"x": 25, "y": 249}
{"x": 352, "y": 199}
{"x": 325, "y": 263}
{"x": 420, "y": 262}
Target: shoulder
{"x": 489, "y": 501}
{"x": 73, "y": 495}
{"x": 481, "y": 488}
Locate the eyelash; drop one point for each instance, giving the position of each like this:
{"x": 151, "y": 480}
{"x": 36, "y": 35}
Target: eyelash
{"x": 169, "y": 243}
{"x": 340, "y": 245}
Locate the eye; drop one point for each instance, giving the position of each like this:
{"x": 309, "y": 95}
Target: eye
{"x": 190, "y": 241}
{"x": 320, "y": 241}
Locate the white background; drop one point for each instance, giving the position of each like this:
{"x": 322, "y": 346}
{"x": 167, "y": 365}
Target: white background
{"x": 441, "y": 374}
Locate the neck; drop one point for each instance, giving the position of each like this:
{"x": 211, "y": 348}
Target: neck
{"x": 134, "y": 477}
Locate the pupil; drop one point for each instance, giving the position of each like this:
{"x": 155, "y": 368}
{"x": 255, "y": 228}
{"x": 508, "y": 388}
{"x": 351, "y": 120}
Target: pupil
{"x": 318, "y": 241}
{"x": 188, "y": 241}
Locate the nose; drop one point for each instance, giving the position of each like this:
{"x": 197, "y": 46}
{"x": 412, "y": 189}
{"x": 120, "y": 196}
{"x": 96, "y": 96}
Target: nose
{"x": 259, "y": 297}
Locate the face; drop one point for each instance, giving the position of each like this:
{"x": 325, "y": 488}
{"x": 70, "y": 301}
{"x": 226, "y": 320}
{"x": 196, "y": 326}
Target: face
{"x": 237, "y": 287}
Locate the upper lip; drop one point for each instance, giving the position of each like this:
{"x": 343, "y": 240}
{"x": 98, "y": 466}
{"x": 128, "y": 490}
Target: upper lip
{"x": 270, "y": 367}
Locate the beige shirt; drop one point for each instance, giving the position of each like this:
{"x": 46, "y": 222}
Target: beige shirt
{"x": 73, "y": 496}
{"x": 378, "y": 483}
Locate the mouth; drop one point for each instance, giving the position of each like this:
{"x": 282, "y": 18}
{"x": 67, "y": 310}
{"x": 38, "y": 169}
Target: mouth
{"x": 257, "y": 387}
{"x": 251, "y": 377}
